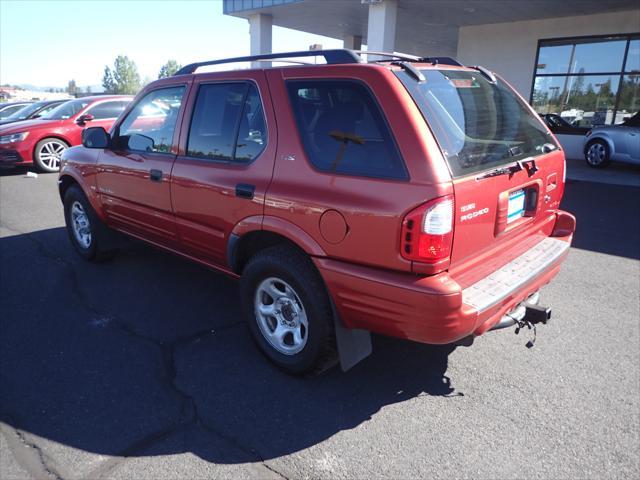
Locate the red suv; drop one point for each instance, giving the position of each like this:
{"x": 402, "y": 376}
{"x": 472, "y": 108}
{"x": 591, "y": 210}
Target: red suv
{"x": 42, "y": 140}
{"x": 413, "y": 197}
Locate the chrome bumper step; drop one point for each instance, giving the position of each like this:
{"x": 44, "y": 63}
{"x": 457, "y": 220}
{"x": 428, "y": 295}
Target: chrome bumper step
{"x": 500, "y": 284}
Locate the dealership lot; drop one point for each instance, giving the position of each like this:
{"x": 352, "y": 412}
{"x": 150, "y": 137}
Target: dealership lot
{"x": 142, "y": 368}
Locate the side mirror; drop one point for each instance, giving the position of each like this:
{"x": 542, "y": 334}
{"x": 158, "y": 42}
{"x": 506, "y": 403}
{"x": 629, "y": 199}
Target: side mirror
{"x": 82, "y": 119}
{"x": 95, "y": 137}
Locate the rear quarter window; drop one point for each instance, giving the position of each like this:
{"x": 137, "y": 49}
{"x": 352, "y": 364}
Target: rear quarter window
{"x": 343, "y": 130}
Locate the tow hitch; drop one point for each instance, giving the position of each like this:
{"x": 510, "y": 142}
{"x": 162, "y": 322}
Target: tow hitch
{"x": 526, "y": 315}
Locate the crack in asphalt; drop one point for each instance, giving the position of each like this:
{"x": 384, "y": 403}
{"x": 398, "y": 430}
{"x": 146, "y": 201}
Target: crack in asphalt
{"x": 28, "y": 454}
{"x": 189, "y": 409}
{"x": 50, "y": 471}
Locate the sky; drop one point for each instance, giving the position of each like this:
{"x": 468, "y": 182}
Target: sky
{"x": 49, "y": 42}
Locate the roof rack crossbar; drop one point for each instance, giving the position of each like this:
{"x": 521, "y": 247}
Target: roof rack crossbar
{"x": 412, "y": 58}
{"x": 336, "y": 56}
{"x": 411, "y": 70}
{"x": 442, "y": 61}
{"x": 398, "y": 56}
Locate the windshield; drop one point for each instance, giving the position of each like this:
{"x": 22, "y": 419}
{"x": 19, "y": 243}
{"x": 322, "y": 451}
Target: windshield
{"x": 478, "y": 125}
{"x": 66, "y": 110}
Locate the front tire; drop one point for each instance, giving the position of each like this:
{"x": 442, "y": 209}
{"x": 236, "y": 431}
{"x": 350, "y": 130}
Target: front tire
{"x": 48, "y": 153}
{"x": 288, "y": 310}
{"x": 597, "y": 154}
{"x": 88, "y": 234}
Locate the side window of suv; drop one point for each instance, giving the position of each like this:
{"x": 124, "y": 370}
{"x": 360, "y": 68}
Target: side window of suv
{"x": 343, "y": 130}
{"x": 228, "y": 123}
{"x": 149, "y": 126}
{"x": 106, "y": 110}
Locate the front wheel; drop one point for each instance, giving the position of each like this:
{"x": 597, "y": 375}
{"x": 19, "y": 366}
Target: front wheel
{"x": 89, "y": 236}
{"x": 48, "y": 153}
{"x": 288, "y": 310}
{"x": 597, "y": 154}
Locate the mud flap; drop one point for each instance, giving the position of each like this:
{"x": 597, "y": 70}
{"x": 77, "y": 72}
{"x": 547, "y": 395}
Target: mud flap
{"x": 353, "y": 345}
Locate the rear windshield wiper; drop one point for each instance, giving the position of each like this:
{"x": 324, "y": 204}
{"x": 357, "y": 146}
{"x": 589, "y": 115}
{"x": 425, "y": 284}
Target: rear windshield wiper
{"x": 528, "y": 165}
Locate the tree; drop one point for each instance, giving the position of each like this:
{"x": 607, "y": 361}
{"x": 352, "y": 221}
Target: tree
{"x": 71, "y": 87}
{"x": 123, "y": 79}
{"x": 169, "y": 68}
{"x": 107, "y": 81}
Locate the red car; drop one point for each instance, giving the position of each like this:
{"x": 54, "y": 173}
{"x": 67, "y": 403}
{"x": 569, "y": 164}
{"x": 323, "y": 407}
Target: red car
{"x": 412, "y": 197}
{"x": 42, "y": 140}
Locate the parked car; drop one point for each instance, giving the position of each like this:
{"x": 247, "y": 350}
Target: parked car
{"x": 560, "y": 126}
{"x": 33, "y": 110}
{"x": 620, "y": 143}
{"x": 42, "y": 140}
{"x": 412, "y": 197}
{"x": 9, "y": 108}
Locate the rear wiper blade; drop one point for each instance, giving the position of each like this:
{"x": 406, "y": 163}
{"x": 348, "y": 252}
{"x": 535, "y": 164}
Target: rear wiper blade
{"x": 527, "y": 164}
{"x": 510, "y": 170}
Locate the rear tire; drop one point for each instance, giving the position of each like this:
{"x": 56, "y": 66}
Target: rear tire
{"x": 597, "y": 154}
{"x": 288, "y": 310}
{"x": 89, "y": 235}
{"x": 47, "y": 154}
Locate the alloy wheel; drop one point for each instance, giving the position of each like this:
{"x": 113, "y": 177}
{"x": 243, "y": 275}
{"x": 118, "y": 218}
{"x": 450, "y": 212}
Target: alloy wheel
{"x": 596, "y": 154}
{"x": 51, "y": 153}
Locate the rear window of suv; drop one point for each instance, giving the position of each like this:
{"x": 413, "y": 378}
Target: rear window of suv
{"x": 343, "y": 130}
{"x": 478, "y": 124}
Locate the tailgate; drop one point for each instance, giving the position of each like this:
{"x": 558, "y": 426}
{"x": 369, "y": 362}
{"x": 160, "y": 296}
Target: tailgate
{"x": 491, "y": 212}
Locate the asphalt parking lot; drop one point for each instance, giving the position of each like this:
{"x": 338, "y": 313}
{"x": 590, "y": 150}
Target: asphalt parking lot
{"x": 142, "y": 368}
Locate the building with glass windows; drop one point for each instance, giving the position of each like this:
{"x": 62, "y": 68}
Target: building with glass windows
{"x": 579, "y": 59}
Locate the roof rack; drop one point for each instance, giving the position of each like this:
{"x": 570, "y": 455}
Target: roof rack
{"x": 336, "y": 56}
{"x": 332, "y": 57}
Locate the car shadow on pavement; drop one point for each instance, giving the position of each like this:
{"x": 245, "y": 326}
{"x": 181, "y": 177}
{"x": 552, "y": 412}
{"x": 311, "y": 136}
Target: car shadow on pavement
{"x": 117, "y": 358}
{"x": 606, "y": 217}
{"x": 15, "y": 171}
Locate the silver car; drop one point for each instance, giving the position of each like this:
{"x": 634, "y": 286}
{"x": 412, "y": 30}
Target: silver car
{"x": 613, "y": 142}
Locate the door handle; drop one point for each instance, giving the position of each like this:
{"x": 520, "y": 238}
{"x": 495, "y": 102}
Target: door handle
{"x": 155, "y": 175}
{"x": 245, "y": 190}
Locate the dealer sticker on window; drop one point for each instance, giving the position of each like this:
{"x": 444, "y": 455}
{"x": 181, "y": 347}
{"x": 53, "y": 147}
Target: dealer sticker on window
{"x": 516, "y": 206}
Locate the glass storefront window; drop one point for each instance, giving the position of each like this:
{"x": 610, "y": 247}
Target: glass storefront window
{"x": 598, "y": 57}
{"x": 579, "y": 99}
{"x": 629, "y": 102}
{"x": 633, "y": 57}
{"x": 587, "y": 81}
{"x": 554, "y": 59}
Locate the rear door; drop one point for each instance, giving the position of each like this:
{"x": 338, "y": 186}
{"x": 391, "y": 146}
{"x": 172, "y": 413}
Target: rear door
{"x": 133, "y": 176}
{"x": 496, "y": 213}
{"x": 507, "y": 167}
{"x": 227, "y": 151}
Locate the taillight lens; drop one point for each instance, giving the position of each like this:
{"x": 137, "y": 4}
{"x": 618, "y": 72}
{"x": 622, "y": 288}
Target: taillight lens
{"x": 427, "y": 231}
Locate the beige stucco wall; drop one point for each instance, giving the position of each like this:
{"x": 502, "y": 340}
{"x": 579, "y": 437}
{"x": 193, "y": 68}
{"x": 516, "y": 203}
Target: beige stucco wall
{"x": 510, "y": 48}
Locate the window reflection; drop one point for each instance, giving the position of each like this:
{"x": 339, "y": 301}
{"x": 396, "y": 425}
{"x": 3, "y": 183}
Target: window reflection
{"x": 598, "y": 57}
{"x": 582, "y": 80}
{"x": 633, "y": 57}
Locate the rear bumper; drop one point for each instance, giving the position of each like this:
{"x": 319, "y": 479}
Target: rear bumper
{"x": 437, "y": 309}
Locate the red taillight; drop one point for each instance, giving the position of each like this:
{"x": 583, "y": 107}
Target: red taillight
{"x": 427, "y": 231}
